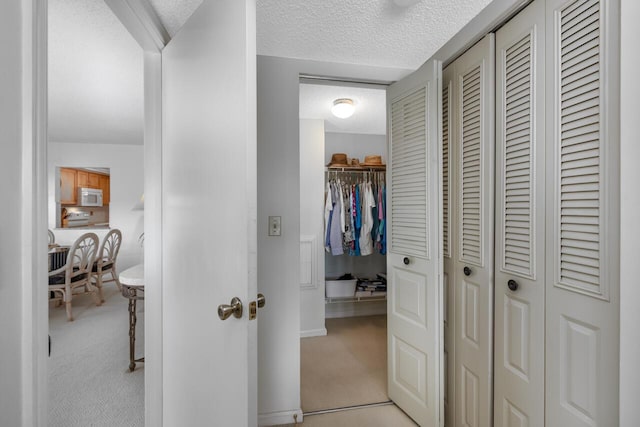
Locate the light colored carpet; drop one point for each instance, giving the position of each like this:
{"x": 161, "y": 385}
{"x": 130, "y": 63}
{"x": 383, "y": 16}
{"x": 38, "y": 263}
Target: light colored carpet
{"x": 347, "y": 367}
{"x": 89, "y": 380}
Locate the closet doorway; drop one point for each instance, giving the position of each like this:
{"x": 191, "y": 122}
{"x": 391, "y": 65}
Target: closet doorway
{"x": 342, "y": 246}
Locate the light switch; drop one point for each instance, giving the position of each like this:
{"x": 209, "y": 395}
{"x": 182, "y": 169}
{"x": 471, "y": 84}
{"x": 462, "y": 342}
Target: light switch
{"x": 274, "y": 226}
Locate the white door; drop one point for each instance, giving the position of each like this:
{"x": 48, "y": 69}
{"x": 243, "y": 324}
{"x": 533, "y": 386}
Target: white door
{"x": 209, "y": 217}
{"x": 582, "y": 294}
{"x": 414, "y": 304}
{"x": 449, "y": 217}
{"x": 520, "y": 220}
{"x": 473, "y": 171}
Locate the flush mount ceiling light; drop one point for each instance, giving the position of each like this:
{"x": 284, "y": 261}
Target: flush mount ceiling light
{"x": 343, "y": 108}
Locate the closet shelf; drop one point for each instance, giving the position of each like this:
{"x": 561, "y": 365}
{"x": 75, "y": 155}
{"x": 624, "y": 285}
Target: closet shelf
{"x": 357, "y": 170}
{"x": 336, "y": 300}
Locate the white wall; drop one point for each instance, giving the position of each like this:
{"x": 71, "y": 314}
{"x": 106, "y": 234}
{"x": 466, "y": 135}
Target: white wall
{"x": 279, "y": 194}
{"x": 630, "y": 206}
{"x": 126, "y": 163}
{"x": 312, "y": 223}
{"x": 355, "y": 145}
{"x": 11, "y": 301}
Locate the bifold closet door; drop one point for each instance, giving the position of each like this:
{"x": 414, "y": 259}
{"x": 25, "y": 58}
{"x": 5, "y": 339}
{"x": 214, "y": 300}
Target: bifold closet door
{"x": 582, "y": 294}
{"x": 448, "y": 250}
{"x": 414, "y": 328}
{"x": 520, "y": 220}
{"x": 473, "y": 169}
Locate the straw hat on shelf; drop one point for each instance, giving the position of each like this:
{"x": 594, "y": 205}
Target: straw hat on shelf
{"x": 338, "y": 160}
{"x": 373, "y": 161}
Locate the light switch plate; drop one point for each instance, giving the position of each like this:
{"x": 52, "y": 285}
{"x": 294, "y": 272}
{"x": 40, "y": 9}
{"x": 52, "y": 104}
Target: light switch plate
{"x": 274, "y": 225}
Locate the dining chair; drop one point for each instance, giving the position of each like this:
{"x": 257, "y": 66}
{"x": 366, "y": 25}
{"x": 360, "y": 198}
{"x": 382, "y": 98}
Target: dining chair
{"x": 74, "y": 278}
{"x": 52, "y": 237}
{"x": 105, "y": 263}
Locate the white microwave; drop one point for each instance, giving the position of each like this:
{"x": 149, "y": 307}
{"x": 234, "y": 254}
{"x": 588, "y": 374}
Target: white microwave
{"x": 89, "y": 197}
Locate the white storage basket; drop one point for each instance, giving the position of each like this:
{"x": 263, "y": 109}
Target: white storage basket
{"x": 340, "y": 288}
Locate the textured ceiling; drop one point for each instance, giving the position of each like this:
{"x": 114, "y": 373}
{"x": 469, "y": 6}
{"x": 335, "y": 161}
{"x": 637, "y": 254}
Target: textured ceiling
{"x": 96, "y": 68}
{"x": 369, "y": 32}
{"x": 95, "y": 75}
{"x": 174, "y": 13}
{"x": 370, "y": 108}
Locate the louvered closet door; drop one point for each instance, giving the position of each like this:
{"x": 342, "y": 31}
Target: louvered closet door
{"x": 448, "y": 218}
{"x": 582, "y": 295}
{"x": 520, "y": 221}
{"x": 474, "y": 170}
{"x": 413, "y": 261}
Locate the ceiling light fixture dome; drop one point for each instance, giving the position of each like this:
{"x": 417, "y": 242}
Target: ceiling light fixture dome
{"x": 343, "y": 108}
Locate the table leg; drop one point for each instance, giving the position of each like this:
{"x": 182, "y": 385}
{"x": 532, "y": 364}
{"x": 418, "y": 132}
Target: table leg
{"x": 132, "y": 333}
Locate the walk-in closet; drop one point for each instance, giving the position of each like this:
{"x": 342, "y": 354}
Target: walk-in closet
{"x": 343, "y": 246}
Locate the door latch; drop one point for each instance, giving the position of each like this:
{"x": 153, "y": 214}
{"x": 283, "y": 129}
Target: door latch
{"x": 255, "y": 305}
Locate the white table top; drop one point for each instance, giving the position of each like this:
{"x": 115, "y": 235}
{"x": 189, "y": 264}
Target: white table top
{"x": 133, "y": 276}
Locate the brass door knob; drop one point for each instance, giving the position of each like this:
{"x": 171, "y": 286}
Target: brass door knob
{"x": 235, "y": 308}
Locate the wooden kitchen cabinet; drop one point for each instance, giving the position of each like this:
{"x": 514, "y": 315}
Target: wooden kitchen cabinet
{"x": 82, "y": 179}
{"x": 94, "y": 180}
{"x": 104, "y": 185}
{"x": 68, "y": 185}
{"x": 88, "y": 180}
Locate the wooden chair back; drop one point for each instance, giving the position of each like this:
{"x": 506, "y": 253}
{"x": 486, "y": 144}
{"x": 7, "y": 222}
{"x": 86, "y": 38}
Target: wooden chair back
{"x": 109, "y": 248}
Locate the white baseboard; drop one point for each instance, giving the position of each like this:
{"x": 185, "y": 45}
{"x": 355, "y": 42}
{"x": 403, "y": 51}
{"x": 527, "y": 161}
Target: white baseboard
{"x": 313, "y": 333}
{"x": 279, "y": 418}
{"x": 349, "y": 309}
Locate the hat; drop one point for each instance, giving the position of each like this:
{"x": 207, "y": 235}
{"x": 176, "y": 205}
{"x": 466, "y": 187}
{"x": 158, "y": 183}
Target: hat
{"x": 355, "y": 163}
{"x": 338, "y": 160}
{"x": 373, "y": 161}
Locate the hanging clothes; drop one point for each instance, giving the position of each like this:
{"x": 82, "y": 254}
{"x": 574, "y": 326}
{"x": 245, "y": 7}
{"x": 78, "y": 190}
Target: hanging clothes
{"x": 374, "y": 212}
{"x": 354, "y": 215}
{"x": 347, "y": 237}
{"x": 328, "y": 213}
{"x": 368, "y": 202}
{"x": 383, "y": 223}
{"x": 335, "y": 235}
{"x": 358, "y": 220}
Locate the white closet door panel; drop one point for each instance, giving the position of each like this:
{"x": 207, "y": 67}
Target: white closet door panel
{"x": 408, "y": 207}
{"x": 414, "y": 302}
{"x": 448, "y": 218}
{"x": 473, "y": 148}
{"x": 520, "y": 203}
{"x": 582, "y": 332}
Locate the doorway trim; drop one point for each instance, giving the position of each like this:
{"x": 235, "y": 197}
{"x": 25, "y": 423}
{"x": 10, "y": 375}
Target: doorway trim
{"x": 140, "y": 20}
{"x": 35, "y": 319}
